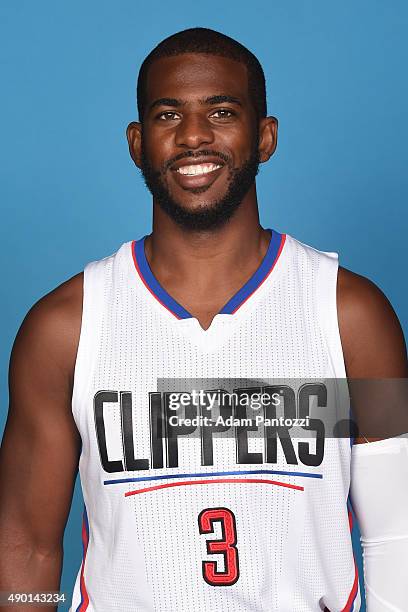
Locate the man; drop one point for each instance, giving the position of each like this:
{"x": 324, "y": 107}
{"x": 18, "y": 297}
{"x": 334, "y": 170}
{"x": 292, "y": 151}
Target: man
{"x": 176, "y": 519}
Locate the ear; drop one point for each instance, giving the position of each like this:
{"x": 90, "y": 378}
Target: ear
{"x": 134, "y": 138}
{"x": 268, "y": 138}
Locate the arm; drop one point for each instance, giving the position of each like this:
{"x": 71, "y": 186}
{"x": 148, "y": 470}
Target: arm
{"x": 41, "y": 444}
{"x": 374, "y": 348}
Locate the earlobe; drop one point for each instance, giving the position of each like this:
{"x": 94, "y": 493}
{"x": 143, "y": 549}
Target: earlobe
{"x": 268, "y": 138}
{"x": 134, "y": 138}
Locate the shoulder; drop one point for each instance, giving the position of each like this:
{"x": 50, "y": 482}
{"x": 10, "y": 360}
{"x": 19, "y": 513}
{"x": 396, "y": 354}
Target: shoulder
{"x": 49, "y": 333}
{"x": 58, "y": 308}
{"x": 359, "y": 298}
{"x": 371, "y": 334}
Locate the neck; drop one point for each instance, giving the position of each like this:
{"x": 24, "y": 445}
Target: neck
{"x": 202, "y": 270}
{"x": 174, "y": 251}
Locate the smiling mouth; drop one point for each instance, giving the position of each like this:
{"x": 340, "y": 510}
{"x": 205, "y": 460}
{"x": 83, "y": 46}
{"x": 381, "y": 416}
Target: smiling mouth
{"x": 198, "y": 169}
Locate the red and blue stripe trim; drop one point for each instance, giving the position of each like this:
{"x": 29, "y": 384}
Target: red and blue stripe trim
{"x": 151, "y": 282}
{"x": 210, "y": 481}
{"x": 349, "y": 607}
{"x": 85, "y": 539}
{"x": 260, "y": 275}
{"x": 268, "y": 263}
{"x": 210, "y": 475}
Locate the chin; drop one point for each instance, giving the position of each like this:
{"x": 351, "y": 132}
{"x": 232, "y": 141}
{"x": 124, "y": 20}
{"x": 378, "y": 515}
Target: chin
{"x": 197, "y": 200}
{"x": 196, "y": 208}
{"x": 201, "y": 216}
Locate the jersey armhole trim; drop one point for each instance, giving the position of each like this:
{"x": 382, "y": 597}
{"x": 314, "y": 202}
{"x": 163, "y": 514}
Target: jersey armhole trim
{"x": 329, "y": 323}
{"x": 93, "y": 287}
{"x": 326, "y": 289}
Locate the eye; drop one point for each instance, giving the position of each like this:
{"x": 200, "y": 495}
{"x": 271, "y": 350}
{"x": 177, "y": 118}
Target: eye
{"x": 223, "y": 113}
{"x": 167, "y": 116}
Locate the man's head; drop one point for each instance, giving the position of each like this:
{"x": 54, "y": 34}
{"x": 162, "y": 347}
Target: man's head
{"x": 202, "y": 128}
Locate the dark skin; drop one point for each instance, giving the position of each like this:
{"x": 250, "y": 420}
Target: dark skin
{"x": 41, "y": 443}
{"x": 187, "y": 264}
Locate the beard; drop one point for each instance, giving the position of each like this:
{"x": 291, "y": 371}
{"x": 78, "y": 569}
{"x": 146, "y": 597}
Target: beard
{"x": 210, "y": 215}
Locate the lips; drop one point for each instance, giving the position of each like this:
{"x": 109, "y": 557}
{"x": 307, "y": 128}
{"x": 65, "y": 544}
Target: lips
{"x": 200, "y": 159}
{"x": 198, "y": 169}
{"x": 197, "y": 173}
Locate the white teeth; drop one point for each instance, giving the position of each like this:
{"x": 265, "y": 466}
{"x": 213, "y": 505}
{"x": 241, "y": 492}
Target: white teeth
{"x": 198, "y": 169}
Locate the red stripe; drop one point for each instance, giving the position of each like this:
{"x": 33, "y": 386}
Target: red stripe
{"x": 350, "y": 517}
{"x": 145, "y": 283}
{"x": 218, "y": 480}
{"x": 353, "y": 592}
{"x": 84, "y": 592}
{"x": 267, "y": 276}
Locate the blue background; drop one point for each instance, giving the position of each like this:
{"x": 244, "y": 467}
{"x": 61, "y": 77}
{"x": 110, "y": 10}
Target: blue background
{"x": 70, "y": 194}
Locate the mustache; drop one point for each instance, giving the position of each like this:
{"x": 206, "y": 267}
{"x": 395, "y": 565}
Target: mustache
{"x": 195, "y": 154}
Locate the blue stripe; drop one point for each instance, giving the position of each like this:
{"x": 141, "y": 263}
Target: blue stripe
{"x": 209, "y": 474}
{"x": 86, "y": 522}
{"x": 256, "y": 279}
{"x": 154, "y": 284}
{"x": 250, "y": 286}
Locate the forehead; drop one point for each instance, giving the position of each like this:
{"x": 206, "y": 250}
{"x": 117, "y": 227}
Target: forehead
{"x": 196, "y": 75}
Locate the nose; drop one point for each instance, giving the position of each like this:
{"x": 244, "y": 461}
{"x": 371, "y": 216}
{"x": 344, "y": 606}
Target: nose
{"x": 194, "y": 131}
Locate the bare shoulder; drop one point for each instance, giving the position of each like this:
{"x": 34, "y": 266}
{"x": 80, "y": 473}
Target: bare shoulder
{"x": 41, "y": 442}
{"x": 371, "y": 334}
{"x": 356, "y": 291}
{"x": 49, "y": 333}
{"x": 361, "y": 303}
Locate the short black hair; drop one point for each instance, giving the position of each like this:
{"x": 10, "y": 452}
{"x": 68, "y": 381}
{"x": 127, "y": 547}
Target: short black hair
{"x": 205, "y": 40}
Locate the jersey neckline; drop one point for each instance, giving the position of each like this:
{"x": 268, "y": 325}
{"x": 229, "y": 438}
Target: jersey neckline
{"x": 260, "y": 275}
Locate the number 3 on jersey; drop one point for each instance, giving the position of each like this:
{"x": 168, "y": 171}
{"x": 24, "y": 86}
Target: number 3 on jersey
{"x": 226, "y": 546}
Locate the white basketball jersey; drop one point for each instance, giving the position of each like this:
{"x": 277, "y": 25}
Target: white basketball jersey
{"x": 203, "y": 519}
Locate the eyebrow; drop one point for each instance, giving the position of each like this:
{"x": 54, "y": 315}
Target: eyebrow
{"x": 222, "y": 98}
{"x": 176, "y": 102}
{"x": 166, "y": 102}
